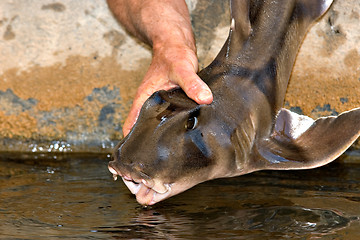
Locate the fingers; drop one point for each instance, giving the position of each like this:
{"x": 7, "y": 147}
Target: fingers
{"x": 132, "y": 117}
{"x": 145, "y": 90}
{"x": 153, "y": 81}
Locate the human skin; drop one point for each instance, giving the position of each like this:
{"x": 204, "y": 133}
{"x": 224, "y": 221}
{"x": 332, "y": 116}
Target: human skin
{"x": 165, "y": 26}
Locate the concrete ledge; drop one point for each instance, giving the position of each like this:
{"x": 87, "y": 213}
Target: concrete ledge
{"x": 68, "y": 71}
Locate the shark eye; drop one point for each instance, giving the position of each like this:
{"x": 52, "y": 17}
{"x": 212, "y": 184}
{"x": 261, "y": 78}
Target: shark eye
{"x": 191, "y": 123}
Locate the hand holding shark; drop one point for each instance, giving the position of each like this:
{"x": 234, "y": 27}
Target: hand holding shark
{"x": 171, "y": 67}
{"x": 176, "y": 143}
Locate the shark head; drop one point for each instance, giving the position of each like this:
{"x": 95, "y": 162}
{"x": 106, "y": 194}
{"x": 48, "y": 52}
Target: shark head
{"x": 173, "y": 146}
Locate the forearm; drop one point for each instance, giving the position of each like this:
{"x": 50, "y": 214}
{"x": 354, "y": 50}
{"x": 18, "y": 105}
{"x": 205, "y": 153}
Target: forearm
{"x": 156, "y": 22}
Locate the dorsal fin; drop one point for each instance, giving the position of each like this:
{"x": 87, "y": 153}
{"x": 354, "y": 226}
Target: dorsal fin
{"x": 240, "y": 27}
{"x": 244, "y": 12}
{"x": 240, "y": 31}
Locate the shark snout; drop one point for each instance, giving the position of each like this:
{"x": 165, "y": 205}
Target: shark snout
{"x": 147, "y": 190}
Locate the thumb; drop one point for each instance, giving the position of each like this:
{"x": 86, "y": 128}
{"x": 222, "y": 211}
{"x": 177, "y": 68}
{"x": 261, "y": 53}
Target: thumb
{"x": 195, "y": 88}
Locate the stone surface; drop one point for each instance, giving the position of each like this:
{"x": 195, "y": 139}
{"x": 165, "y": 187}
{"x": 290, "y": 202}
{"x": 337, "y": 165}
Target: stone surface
{"x": 68, "y": 71}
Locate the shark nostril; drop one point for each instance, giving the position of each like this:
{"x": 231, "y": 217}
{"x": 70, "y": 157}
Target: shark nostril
{"x": 145, "y": 176}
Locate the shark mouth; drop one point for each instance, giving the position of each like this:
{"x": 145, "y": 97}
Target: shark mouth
{"x": 147, "y": 192}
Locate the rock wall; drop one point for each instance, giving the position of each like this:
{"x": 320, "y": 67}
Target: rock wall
{"x": 69, "y": 71}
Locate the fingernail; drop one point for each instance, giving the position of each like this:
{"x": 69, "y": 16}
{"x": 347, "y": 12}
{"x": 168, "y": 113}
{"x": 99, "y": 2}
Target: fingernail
{"x": 204, "y": 96}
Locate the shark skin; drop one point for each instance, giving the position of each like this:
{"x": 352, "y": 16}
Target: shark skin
{"x": 176, "y": 143}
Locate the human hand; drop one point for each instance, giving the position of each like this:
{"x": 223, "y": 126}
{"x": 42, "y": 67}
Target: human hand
{"x": 171, "y": 66}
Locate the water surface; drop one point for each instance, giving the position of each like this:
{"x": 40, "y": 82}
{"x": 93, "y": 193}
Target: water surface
{"x": 77, "y": 199}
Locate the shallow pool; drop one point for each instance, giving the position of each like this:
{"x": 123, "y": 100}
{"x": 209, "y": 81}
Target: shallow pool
{"x": 77, "y": 199}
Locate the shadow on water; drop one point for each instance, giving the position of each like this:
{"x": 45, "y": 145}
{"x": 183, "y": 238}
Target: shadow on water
{"x": 77, "y": 199}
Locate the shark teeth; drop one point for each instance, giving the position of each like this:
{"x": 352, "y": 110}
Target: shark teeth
{"x": 115, "y": 176}
{"x": 147, "y": 191}
{"x": 148, "y": 195}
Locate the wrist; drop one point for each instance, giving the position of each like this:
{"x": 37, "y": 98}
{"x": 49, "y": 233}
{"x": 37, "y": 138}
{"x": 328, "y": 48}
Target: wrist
{"x": 173, "y": 44}
{"x": 167, "y": 23}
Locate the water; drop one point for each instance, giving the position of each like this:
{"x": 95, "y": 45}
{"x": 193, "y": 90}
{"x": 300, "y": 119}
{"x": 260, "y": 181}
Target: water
{"x": 77, "y": 199}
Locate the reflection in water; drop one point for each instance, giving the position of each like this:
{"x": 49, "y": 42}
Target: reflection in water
{"x": 279, "y": 221}
{"x": 76, "y": 198}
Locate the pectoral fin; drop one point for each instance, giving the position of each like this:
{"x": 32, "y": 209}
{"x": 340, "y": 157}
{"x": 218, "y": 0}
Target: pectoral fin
{"x": 298, "y": 142}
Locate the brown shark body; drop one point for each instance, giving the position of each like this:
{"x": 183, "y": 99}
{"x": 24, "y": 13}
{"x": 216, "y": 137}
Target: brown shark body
{"x": 177, "y": 144}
